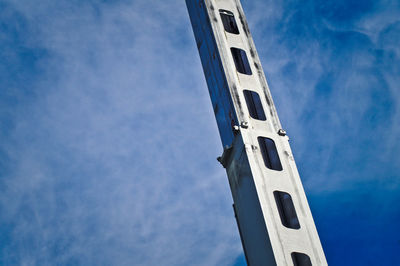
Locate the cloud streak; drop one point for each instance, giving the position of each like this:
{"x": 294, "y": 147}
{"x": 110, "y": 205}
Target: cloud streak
{"x": 332, "y": 71}
{"x": 108, "y": 140}
{"x": 106, "y": 162}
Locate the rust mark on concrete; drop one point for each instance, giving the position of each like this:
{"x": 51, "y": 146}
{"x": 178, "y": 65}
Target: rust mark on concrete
{"x": 252, "y": 52}
{"x": 245, "y": 27}
{"x": 266, "y": 97}
{"x": 237, "y": 99}
{"x": 214, "y": 18}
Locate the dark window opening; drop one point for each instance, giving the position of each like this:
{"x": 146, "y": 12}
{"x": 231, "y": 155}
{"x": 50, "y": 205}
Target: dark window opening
{"x": 286, "y": 209}
{"x": 301, "y": 259}
{"x": 241, "y": 62}
{"x": 228, "y": 19}
{"x": 254, "y": 105}
{"x": 270, "y": 154}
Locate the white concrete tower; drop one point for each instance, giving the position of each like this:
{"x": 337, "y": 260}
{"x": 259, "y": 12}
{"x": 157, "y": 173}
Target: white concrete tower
{"x": 274, "y": 220}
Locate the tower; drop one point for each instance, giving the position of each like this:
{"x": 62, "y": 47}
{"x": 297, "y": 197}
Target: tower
{"x": 274, "y": 220}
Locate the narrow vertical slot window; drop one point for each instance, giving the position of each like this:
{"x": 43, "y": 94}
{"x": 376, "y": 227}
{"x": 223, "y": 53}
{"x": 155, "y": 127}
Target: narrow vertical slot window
{"x": 254, "y": 105}
{"x": 270, "y": 154}
{"x": 286, "y": 209}
{"x": 241, "y": 61}
{"x": 228, "y": 19}
{"x": 301, "y": 259}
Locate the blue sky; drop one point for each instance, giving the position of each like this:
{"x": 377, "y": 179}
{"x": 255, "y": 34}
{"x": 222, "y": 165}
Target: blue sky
{"x": 108, "y": 139}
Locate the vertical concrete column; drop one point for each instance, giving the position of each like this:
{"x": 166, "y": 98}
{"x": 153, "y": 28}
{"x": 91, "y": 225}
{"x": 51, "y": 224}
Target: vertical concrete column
{"x": 274, "y": 220}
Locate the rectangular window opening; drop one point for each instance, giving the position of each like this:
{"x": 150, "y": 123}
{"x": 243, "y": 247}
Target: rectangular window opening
{"x": 301, "y": 259}
{"x": 241, "y": 61}
{"x": 254, "y": 105}
{"x": 270, "y": 154}
{"x": 228, "y": 19}
{"x": 286, "y": 209}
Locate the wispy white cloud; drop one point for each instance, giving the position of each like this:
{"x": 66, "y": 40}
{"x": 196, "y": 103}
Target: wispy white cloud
{"x": 109, "y": 141}
{"x": 332, "y": 78}
{"x": 332, "y": 68}
{"x": 112, "y": 148}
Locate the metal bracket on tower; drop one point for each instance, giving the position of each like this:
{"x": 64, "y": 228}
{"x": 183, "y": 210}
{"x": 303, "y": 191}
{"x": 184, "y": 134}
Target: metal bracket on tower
{"x": 281, "y": 132}
{"x": 225, "y": 157}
